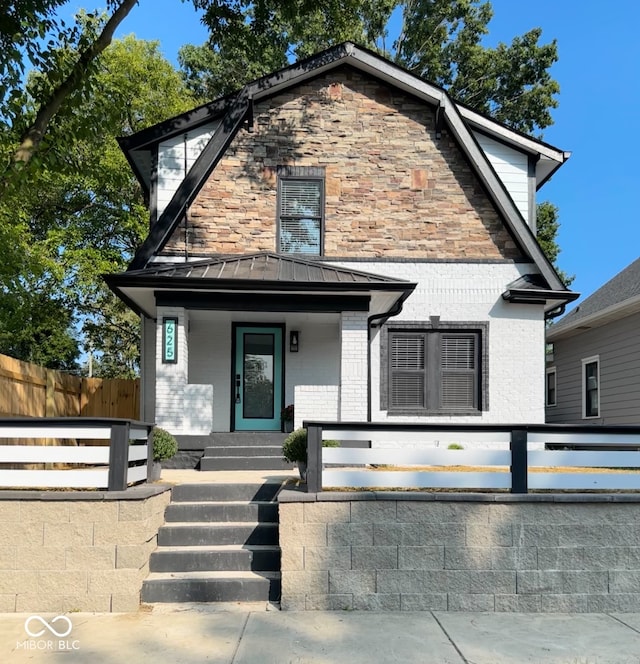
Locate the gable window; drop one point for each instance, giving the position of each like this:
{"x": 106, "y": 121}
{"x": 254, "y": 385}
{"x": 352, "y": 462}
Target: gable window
{"x": 300, "y": 210}
{"x": 550, "y": 399}
{"x": 433, "y": 371}
{"x": 591, "y": 387}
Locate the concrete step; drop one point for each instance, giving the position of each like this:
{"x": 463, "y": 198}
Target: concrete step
{"x": 225, "y": 492}
{"x": 226, "y": 511}
{"x": 247, "y": 438}
{"x": 230, "y": 558}
{"x": 211, "y": 587}
{"x": 243, "y": 451}
{"x": 244, "y": 463}
{"x": 214, "y": 534}
{"x": 243, "y": 438}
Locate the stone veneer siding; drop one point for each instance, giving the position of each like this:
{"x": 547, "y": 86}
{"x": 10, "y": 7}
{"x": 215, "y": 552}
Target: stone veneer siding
{"x": 392, "y": 187}
{"x": 474, "y": 552}
{"x": 77, "y": 551}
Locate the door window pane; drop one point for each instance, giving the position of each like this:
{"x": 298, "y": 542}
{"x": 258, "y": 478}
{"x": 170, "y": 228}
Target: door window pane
{"x": 258, "y": 369}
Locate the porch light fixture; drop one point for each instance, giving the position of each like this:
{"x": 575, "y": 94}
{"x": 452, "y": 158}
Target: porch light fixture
{"x": 294, "y": 341}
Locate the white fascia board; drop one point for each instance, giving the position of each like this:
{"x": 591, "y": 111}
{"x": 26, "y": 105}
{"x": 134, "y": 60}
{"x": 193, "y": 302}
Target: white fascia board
{"x": 514, "y": 138}
{"x": 597, "y": 319}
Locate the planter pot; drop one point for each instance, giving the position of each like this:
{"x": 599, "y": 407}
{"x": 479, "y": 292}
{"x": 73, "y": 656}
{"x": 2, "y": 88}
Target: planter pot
{"x": 302, "y": 469}
{"x": 154, "y": 472}
{"x": 288, "y": 426}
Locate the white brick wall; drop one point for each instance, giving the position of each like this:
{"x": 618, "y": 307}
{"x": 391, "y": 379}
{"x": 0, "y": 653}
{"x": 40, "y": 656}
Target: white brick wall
{"x": 210, "y": 361}
{"x": 353, "y": 367}
{"x": 318, "y": 359}
{"x": 198, "y": 409}
{"x": 333, "y": 350}
{"x": 315, "y": 402}
{"x": 472, "y": 292}
{"x": 171, "y": 379}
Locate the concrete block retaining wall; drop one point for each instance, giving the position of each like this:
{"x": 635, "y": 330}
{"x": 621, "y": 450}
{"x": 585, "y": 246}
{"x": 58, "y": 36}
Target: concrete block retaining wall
{"x": 409, "y": 551}
{"x": 77, "y": 551}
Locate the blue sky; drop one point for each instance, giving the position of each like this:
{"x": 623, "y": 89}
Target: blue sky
{"x": 599, "y": 75}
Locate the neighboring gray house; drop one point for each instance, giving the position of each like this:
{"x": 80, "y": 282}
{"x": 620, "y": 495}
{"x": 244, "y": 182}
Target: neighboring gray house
{"x": 593, "y": 373}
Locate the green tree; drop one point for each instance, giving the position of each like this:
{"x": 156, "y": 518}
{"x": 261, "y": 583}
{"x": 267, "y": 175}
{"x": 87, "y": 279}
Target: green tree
{"x": 84, "y": 214}
{"x": 64, "y": 55}
{"x": 547, "y": 226}
{"x": 441, "y": 41}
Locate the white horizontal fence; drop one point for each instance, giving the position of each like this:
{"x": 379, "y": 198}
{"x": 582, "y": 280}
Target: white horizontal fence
{"x": 113, "y": 466}
{"x": 582, "y": 458}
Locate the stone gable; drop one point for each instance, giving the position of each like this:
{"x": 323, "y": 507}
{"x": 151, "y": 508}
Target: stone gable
{"x": 392, "y": 189}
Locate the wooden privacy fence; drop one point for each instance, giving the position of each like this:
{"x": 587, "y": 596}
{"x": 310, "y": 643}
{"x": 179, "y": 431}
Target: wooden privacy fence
{"x": 28, "y": 390}
{"x": 583, "y": 457}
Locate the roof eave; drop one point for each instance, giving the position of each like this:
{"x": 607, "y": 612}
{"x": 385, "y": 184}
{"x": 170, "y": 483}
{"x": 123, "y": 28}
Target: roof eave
{"x": 616, "y": 311}
{"x": 549, "y": 298}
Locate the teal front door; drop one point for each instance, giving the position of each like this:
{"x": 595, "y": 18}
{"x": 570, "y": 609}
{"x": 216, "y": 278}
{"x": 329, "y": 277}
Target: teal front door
{"x": 257, "y": 385}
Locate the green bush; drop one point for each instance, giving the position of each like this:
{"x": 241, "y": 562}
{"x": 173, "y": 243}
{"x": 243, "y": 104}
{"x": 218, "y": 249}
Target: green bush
{"x": 294, "y": 448}
{"x": 455, "y": 446}
{"x": 164, "y": 445}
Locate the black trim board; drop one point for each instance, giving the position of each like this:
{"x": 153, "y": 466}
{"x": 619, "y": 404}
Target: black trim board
{"x": 262, "y": 302}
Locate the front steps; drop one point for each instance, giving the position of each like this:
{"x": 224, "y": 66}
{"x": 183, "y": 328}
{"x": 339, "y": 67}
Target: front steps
{"x": 245, "y": 451}
{"x": 219, "y": 543}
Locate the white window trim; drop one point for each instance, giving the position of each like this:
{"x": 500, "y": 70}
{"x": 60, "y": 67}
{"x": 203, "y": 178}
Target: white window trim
{"x": 547, "y": 403}
{"x": 585, "y": 361}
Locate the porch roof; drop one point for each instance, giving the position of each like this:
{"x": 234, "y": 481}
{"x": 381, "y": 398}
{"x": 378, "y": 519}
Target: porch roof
{"x": 534, "y": 289}
{"x": 266, "y": 280}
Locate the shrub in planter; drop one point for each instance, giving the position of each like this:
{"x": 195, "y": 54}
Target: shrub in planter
{"x": 165, "y": 445}
{"x": 294, "y": 449}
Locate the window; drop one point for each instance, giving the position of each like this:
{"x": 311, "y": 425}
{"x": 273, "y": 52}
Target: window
{"x": 433, "y": 371}
{"x": 550, "y": 399}
{"x": 591, "y": 387}
{"x": 300, "y": 210}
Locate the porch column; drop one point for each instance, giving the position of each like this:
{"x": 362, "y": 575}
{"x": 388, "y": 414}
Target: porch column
{"x": 171, "y": 377}
{"x": 353, "y": 366}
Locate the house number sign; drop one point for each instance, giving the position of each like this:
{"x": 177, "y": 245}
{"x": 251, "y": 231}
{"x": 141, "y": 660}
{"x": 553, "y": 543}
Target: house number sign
{"x": 169, "y": 340}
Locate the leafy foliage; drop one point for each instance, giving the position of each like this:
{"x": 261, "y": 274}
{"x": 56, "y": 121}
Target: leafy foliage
{"x": 81, "y": 213}
{"x": 547, "y": 230}
{"x": 441, "y": 42}
{"x": 294, "y": 447}
{"x": 165, "y": 445}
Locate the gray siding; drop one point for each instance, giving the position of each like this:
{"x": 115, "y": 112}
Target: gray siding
{"x": 618, "y": 345}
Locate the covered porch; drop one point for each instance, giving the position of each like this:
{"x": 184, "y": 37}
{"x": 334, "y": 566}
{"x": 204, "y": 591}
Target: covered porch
{"x": 229, "y": 342}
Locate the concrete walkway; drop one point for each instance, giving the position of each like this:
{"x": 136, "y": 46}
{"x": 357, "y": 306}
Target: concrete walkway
{"x": 189, "y": 476}
{"x": 190, "y": 634}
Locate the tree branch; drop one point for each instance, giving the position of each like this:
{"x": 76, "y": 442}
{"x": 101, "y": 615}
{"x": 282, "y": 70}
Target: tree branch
{"x": 32, "y": 137}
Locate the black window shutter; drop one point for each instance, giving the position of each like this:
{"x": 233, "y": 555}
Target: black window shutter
{"x": 407, "y": 388}
{"x": 458, "y": 371}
